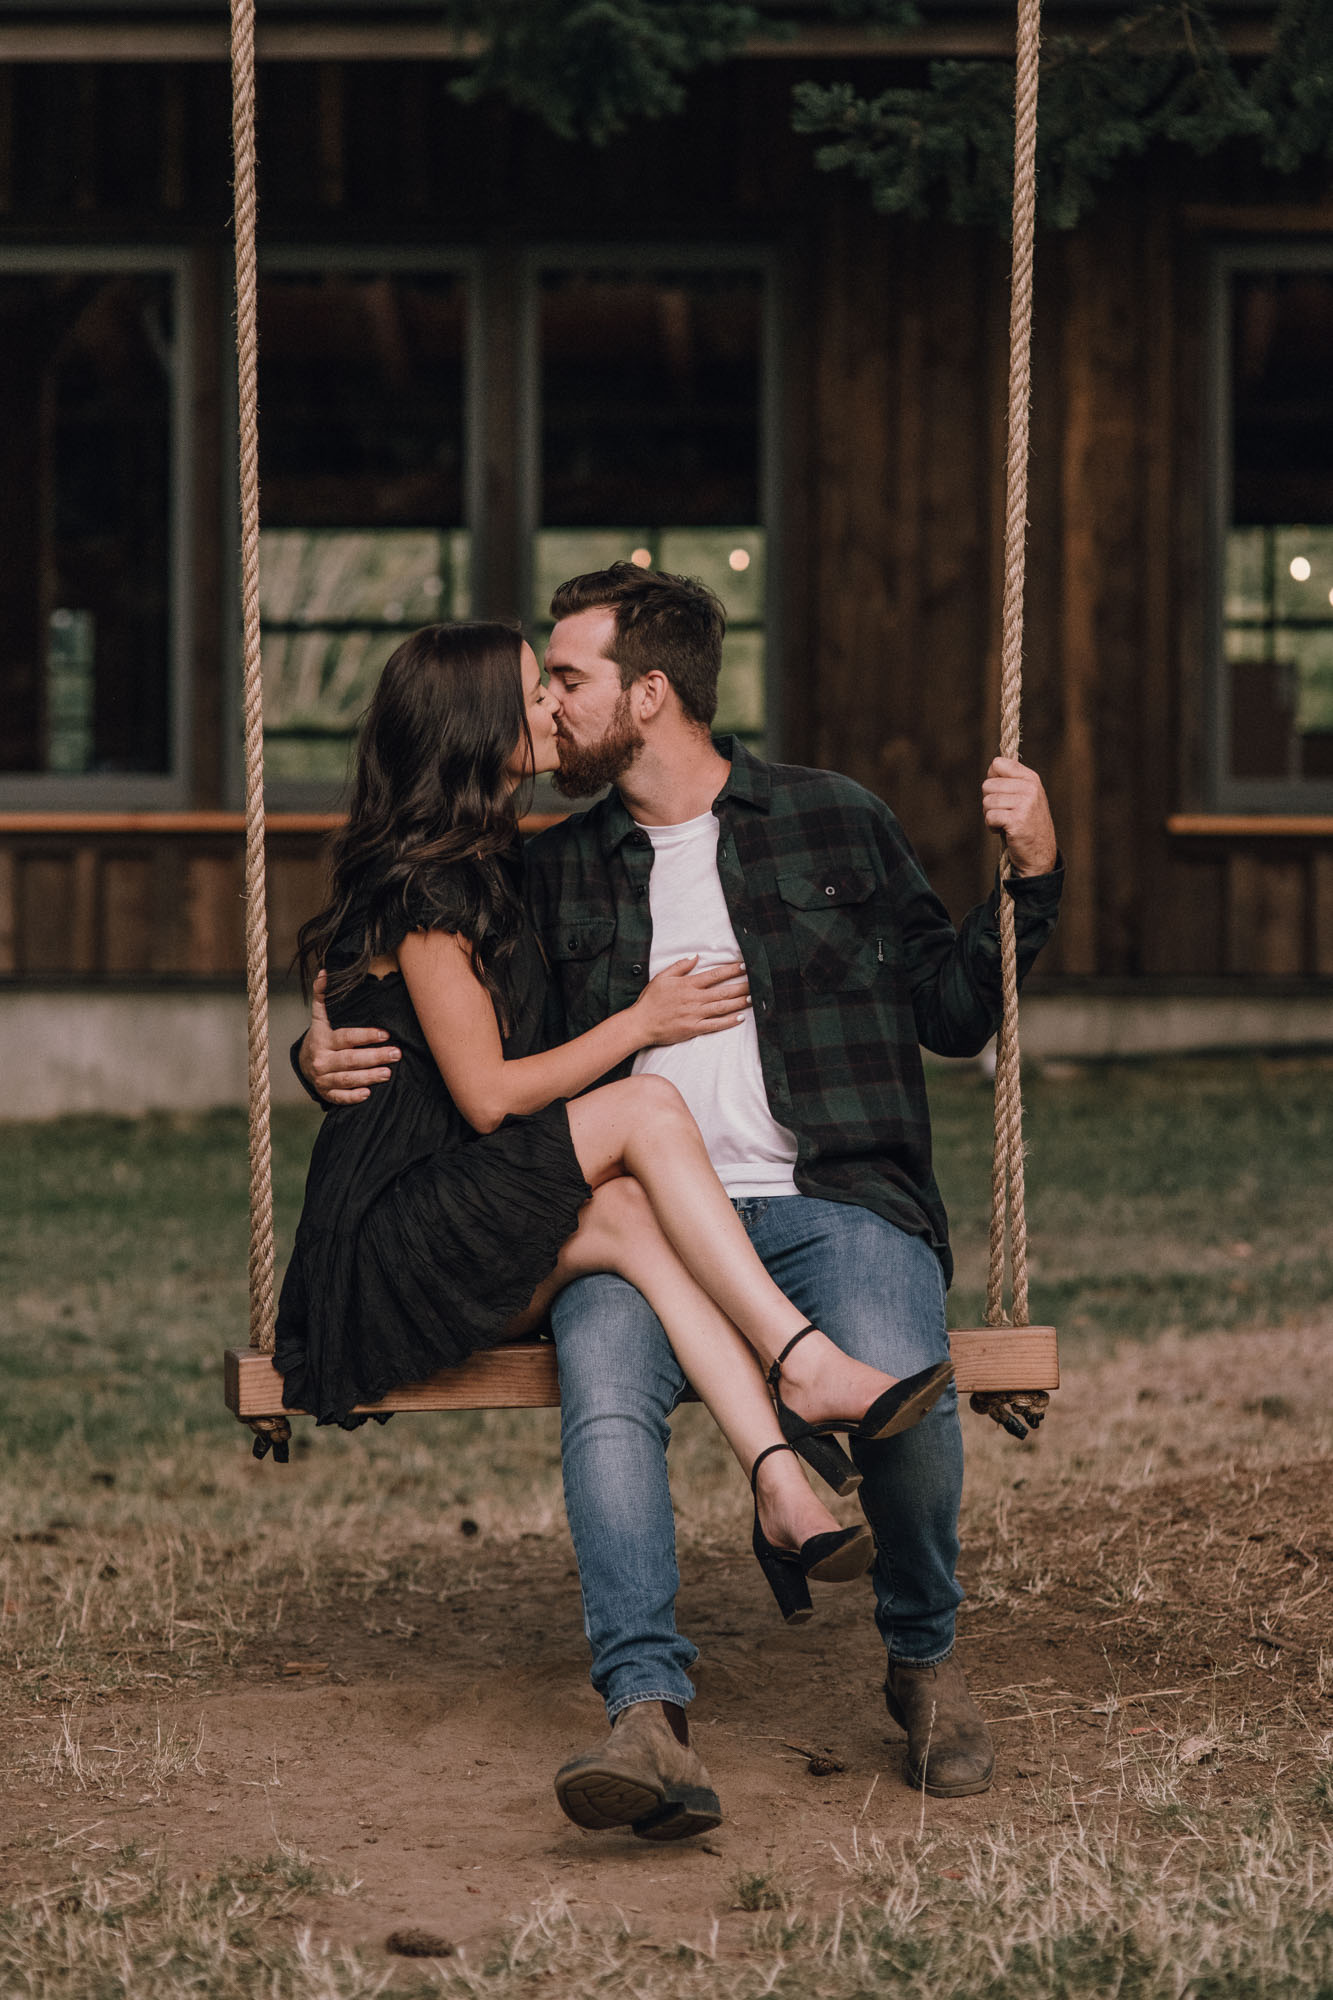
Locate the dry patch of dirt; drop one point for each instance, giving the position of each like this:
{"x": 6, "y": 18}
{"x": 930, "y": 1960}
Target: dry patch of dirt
{"x": 1149, "y": 1628}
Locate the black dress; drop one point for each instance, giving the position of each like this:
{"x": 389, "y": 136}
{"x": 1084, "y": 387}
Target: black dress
{"x": 420, "y": 1238}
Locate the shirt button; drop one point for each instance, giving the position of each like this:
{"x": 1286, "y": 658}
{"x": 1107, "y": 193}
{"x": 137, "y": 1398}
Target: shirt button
{"x": 636, "y": 969}
{"x": 572, "y": 944}
{"x": 830, "y": 891}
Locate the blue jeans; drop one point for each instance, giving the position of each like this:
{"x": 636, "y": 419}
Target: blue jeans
{"x": 880, "y": 1295}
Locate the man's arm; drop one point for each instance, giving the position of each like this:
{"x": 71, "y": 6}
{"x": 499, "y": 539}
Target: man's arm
{"x": 339, "y": 1065}
{"x": 955, "y": 975}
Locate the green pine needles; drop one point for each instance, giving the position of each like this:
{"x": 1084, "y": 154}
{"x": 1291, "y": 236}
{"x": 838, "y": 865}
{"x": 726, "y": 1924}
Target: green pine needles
{"x": 1161, "y": 74}
{"x": 589, "y": 68}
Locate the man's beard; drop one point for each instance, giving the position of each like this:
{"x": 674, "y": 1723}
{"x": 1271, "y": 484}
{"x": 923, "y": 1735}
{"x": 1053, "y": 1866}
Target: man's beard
{"x": 587, "y": 767}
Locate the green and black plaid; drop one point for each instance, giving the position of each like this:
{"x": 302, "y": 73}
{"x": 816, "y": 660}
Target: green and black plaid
{"x": 853, "y": 963}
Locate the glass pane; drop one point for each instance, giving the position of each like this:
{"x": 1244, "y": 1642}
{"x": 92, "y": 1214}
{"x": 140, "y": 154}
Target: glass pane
{"x": 85, "y": 521}
{"x": 1278, "y": 596}
{"x": 729, "y": 560}
{"x": 361, "y": 381}
{"x": 362, "y": 485}
{"x": 334, "y": 603}
{"x": 560, "y": 553}
{"x": 740, "y": 691}
{"x": 652, "y": 398}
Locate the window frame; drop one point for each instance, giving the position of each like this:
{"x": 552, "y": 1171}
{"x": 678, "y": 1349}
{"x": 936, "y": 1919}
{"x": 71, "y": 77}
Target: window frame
{"x": 94, "y": 791}
{"x": 768, "y": 262}
{"x": 316, "y": 794}
{"x": 1261, "y": 796}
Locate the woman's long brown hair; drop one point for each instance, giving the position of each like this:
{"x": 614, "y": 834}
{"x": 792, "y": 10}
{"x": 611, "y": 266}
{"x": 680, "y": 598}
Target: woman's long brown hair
{"x": 432, "y": 810}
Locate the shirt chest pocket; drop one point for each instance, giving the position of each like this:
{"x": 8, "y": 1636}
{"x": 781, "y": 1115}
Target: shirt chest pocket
{"x": 830, "y": 914}
{"x": 578, "y": 951}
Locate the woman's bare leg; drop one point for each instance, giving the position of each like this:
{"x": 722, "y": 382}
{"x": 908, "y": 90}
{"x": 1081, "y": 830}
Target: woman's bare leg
{"x": 642, "y": 1127}
{"x": 618, "y": 1232}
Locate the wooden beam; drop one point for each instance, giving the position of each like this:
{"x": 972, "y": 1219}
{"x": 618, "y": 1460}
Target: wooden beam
{"x": 1251, "y": 826}
{"x": 161, "y": 822}
{"x": 398, "y": 41}
{"x": 197, "y": 822}
{"x": 1268, "y": 218}
{"x": 522, "y": 1376}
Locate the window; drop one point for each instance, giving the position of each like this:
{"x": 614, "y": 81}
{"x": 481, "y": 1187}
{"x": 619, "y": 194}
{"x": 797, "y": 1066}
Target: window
{"x": 93, "y": 397}
{"x": 649, "y": 387}
{"x": 363, "y": 491}
{"x": 1274, "y": 708}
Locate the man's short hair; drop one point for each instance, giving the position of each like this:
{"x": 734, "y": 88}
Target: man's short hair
{"x": 664, "y": 624}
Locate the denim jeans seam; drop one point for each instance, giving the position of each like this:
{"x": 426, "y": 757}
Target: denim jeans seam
{"x": 677, "y": 1697}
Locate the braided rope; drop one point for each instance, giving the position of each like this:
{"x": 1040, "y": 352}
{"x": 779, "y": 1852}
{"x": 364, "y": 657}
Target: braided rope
{"x": 256, "y": 915}
{"x": 1008, "y": 1195}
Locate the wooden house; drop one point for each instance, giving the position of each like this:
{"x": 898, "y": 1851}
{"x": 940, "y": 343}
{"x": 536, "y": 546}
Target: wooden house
{"x": 490, "y": 358}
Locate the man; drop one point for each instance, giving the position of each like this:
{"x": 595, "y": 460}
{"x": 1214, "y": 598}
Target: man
{"x": 814, "y": 1112}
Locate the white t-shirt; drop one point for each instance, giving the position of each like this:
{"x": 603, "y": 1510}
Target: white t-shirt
{"x": 719, "y": 1075}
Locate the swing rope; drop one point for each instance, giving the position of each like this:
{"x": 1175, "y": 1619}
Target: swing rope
{"x": 256, "y": 914}
{"x": 1008, "y": 1206}
{"x": 1008, "y": 1191}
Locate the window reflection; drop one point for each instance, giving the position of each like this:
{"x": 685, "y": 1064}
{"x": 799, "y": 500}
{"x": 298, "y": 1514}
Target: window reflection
{"x": 362, "y": 488}
{"x": 1278, "y": 589}
{"x": 651, "y": 446}
{"x": 85, "y": 521}
{"x": 334, "y": 603}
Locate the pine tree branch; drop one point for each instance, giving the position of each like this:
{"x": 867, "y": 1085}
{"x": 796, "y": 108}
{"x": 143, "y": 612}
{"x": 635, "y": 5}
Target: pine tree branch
{"x": 1162, "y": 74}
{"x": 589, "y": 68}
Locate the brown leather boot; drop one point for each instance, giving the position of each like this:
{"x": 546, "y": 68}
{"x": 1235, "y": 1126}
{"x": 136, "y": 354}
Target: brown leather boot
{"x": 949, "y": 1751}
{"x": 645, "y": 1776}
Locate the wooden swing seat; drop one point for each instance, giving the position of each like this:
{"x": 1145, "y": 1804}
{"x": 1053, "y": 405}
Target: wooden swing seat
{"x": 522, "y": 1375}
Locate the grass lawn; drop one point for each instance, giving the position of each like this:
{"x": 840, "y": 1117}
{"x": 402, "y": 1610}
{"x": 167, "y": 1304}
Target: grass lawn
{"x": 198, "y": 1650}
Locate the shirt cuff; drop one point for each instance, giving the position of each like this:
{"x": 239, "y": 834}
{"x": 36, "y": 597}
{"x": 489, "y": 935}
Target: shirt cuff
{"x": 1038, "y": 892}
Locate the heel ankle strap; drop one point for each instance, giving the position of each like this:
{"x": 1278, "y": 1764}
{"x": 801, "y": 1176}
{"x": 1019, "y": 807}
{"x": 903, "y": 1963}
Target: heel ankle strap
{"x": 775, "y": 1372}
{"x": 767, "y": 1452}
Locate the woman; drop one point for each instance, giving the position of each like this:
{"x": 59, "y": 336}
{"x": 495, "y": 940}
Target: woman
{"x": 443, "y": 1215}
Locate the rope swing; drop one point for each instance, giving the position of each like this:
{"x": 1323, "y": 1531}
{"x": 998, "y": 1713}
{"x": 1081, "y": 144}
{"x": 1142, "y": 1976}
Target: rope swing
{"x": 1008, "y": 1191}
{"x": 270, "y": 1430}
{"x": 1008, "y": 1365}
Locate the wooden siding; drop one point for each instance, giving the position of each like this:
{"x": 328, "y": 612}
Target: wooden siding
{"x": 892, "y": 438}
{"x": 902, "y": 519}
{"x": 117, "y": 907}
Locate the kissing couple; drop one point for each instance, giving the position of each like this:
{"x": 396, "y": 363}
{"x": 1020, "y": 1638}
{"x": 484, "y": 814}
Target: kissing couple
{"x": 656, "y": 1075}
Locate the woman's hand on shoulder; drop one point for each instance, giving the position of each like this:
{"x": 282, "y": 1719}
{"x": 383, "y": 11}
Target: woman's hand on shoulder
{"x": 681, "y": 1003}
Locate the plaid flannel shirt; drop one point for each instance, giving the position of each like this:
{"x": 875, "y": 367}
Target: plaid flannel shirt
{"x": 853, "y": 962}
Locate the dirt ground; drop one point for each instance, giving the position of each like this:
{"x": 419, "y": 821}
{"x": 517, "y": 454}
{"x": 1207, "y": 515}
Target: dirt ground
{"x": 1149, "y": 1627}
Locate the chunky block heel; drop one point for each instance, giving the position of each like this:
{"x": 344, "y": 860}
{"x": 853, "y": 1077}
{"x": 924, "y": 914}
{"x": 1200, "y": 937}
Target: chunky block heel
{"x": 785, "y": 1579}
{"x": 823, "y": 1454}
{"x": 836, "y": 1557}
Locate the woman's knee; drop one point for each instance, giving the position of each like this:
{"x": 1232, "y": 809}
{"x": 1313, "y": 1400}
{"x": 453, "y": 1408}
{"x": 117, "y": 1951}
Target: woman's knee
{"x": 656, "y": 1099}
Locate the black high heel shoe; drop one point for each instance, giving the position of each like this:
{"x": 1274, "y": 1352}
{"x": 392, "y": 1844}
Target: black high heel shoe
{"x": 897, "y": 1409}
{"x": 839, "y": 1556}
